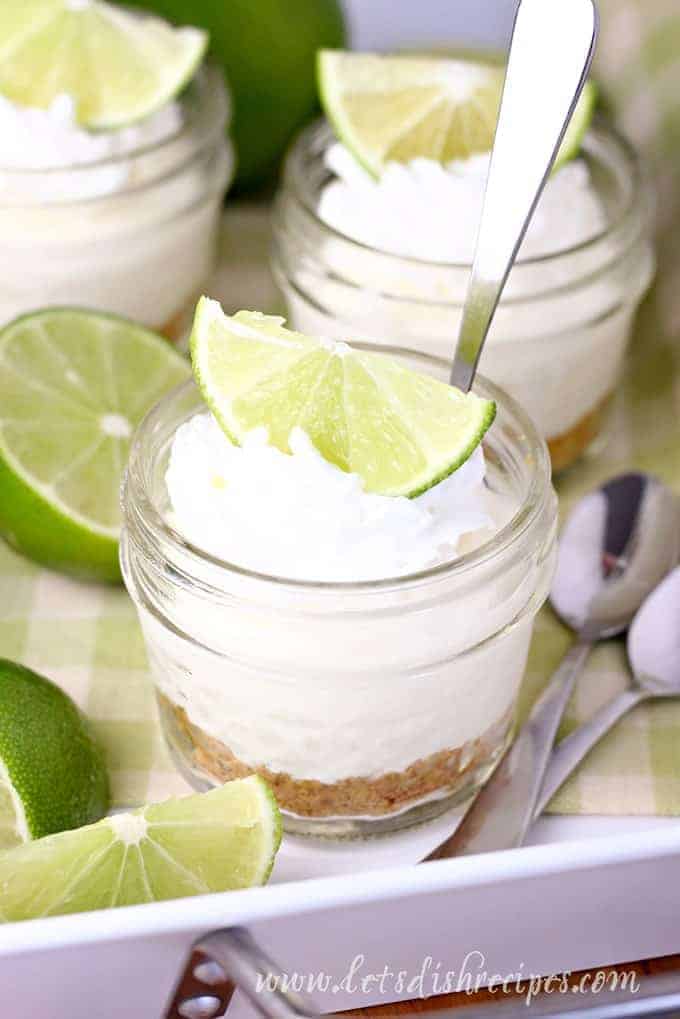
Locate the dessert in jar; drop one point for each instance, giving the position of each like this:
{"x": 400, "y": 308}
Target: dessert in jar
{"x": 361, "y": 651}
{"x": 385, "y": 255}
{"x": 120, "y": 218}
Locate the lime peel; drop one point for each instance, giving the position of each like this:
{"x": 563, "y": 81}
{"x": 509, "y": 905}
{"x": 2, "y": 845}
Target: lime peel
{"x": 52, "y": 772}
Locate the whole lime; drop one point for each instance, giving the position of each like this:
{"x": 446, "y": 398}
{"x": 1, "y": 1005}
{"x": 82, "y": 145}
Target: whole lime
{"x": 52, "y": 772}
{"x": 268, "y": 50}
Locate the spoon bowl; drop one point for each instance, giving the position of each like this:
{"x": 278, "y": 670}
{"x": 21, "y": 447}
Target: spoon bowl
{"x": 654, "y": 640}
{"x": 618, "y": 543}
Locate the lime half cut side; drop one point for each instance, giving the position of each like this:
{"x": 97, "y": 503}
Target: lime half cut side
{"x": 212, "y": 842}
{"x": 13, "y": 826}
{"x": 73, "y": 386}
{"x": 400, "y": 431}
{"x": 117, "y": 66}
{"x": 399, "y": 108}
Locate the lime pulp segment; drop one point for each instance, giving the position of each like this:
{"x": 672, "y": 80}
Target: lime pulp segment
{"x": 400, "y": 431}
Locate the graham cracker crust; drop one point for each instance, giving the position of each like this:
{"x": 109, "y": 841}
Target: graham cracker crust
{"x": 443, "y": 772}
{"x": 568, "y": 447}
{"x": 176, "y": 328}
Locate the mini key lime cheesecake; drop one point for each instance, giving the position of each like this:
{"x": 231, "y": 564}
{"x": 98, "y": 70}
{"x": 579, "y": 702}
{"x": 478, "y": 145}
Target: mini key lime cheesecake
{"x": 113, "y": 161}
{"x": 377, "y": 218}
{"x": 337, "y": 559}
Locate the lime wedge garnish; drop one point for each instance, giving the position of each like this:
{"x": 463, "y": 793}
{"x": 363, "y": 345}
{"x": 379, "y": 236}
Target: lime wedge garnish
{"x": 213, "y": 842}
{"x": 52, "y": 773}
{"x": 401, "y": 432}
{"x": 73, "y": 386}
{"x": 578, "y": 125}
{"x": 117, "y": 66}
{"x": 398, "y": 108}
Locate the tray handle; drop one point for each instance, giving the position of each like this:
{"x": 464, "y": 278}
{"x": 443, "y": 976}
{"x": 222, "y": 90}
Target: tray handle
{"x": 224, "y": 960}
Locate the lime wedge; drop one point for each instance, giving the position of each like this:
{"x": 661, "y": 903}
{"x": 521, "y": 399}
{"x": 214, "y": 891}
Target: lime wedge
{"x": 73, "y": 386}
{"x": 399, "y": 431}
{"x": 213, "y": 842}
{"x": 398, "y": 108}
{"x": 117, "y": 66}
{"x": 52, "y": 773}
{"x": 578, "y": 125}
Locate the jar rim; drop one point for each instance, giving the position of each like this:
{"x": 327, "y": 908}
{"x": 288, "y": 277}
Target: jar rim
{"x": 319, "y": 133}
{"x": 207, "y": 107}
{"x": 155, "y": 525}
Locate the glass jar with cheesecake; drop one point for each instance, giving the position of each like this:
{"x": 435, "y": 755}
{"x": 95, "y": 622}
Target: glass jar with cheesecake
{"x": 388, "y": 260}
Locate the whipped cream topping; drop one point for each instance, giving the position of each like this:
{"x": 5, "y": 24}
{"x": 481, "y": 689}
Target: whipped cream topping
{"x": 83, "y": 164}
{"x": 425, "y": 210}
{"x": 51, "y": 138}
{"x": 299, "y": 517}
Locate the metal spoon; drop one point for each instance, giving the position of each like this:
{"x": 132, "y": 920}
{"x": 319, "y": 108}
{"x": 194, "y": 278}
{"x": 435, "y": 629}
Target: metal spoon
{"x": 550, "y": 54}
{"x": 654, "y": 655}
{"x": 617, "y": 545}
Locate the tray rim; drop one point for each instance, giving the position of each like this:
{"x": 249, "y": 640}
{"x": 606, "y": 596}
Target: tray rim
{"x": 198, "y": 914}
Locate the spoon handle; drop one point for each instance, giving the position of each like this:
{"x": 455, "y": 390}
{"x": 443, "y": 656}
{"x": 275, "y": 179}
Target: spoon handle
{"x": 573, "y": 748}
{"x": 502, "y": 813}
{"x": 550, "y": 55}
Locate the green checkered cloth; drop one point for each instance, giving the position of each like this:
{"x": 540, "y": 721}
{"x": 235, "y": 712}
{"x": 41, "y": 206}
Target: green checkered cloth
{"x": 87, "y": 638}
{"x": 636, "y": 769}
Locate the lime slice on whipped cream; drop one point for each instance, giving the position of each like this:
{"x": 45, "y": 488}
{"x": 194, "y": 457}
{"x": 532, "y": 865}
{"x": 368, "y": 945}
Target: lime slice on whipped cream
{"x": 400, "y": 431}
{"x": 73, "y": 386}
{"x": 399, "y": 108}
{"x": 117, "y": 66}
{"x": 212, "y": 842}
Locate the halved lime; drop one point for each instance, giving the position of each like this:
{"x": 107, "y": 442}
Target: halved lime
{"x": 212, "y": 842}
{"x": 52, "y": 773}
{"x": 398, "y": 108}
{"x": 73, "y": 386}
{"x": 401, "y": 432}
{"x": 116, "y": 65}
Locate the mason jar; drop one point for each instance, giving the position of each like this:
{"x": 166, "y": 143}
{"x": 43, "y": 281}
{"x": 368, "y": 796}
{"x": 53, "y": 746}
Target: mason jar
{"x": 559, "y": 336}
{"x": 134, "y": 233}
{"x": 366, "y": 706}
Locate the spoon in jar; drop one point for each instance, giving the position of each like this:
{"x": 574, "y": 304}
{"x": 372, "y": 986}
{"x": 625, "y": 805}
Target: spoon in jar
{"x": 654, "y": 654}
{"x": 617, "y": 545}
{"x": 550, "y": 55}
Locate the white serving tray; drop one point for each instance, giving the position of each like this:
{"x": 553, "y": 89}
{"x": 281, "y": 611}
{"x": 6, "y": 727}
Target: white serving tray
{"x": 588, "y": 892}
